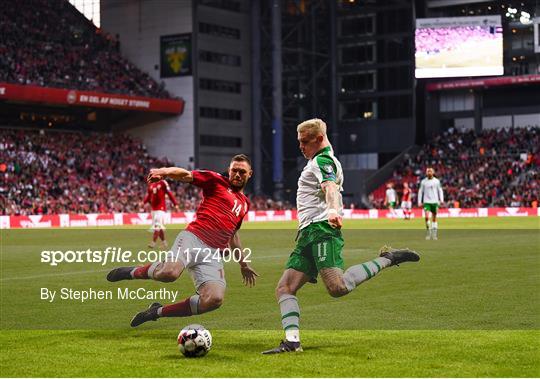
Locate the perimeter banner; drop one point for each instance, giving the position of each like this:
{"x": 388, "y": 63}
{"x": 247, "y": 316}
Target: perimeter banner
{"x": 118, "y": 219}
{"x": 45, "y": 95}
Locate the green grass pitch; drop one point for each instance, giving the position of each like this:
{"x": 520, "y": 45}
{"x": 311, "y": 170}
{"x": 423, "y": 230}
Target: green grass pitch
{"x": 469, "y": 308}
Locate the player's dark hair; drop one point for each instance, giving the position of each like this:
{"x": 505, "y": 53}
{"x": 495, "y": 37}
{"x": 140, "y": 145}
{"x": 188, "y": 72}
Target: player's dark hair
{"x": 241, "y": 158}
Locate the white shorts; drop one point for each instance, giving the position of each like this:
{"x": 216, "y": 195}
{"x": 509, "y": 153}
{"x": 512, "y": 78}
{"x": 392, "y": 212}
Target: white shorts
{"x": 406, "y": 205}
{"x": 203, "y": 262}
{"x": 158, "y": 220}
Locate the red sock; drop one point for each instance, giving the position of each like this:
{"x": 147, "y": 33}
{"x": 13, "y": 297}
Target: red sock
{"x": 181, "y": 309}
{"x": 162, "y": 235}
{"x": 156, "y": 234}
{"x": 141, "y": 272}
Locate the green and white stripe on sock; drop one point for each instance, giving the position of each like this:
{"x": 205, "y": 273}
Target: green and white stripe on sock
{"x": 375, "y": 266}
{"x": 290, "y": 317}
{"x": 355, "y": 275}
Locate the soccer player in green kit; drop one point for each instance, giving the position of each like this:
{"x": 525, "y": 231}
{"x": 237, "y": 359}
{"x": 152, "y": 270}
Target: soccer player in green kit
{"x": 431, "y": 197}
{"x": 320, "y": 242}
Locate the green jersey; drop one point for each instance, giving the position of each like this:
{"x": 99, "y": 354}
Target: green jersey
{"x": 310, "y": 199}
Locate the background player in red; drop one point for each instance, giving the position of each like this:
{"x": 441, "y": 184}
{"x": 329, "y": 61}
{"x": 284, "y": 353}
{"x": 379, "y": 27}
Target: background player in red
{"x": 155, "y": 196}
{"x": 215, "y": 227}
{"x": 406, "y": 201}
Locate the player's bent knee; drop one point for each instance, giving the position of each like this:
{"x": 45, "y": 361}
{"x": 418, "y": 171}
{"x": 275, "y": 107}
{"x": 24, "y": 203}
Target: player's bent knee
{"x": 283, "y": 289}
{"x": 210, "y": 302}
{"x": 337, "y": 290}
{"x": 168, "y": 273}
{"x": 334, "y": 282}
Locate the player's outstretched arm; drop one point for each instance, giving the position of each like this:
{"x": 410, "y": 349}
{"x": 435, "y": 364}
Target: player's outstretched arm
{"x": 331, "y": 193}
{"x": 249, "y": 276}
{"x": 175, "y": 173}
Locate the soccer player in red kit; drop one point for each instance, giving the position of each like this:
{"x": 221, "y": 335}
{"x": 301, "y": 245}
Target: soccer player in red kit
{"x": 406, "y": 201}
{"x": 156, "y": 197}
{"x": 215, "y": 227}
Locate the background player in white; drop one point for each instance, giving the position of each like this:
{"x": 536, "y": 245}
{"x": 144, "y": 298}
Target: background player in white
{"x": 390, "y": 199}
{"x": 431, "y": 197}
{"x": 320, "y": 242}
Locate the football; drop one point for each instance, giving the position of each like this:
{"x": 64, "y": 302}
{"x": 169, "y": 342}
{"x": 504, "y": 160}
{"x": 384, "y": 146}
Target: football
{"x": 194, "y": 341}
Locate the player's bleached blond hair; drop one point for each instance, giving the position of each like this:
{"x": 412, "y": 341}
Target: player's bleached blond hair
{"x": 313, "y": 127}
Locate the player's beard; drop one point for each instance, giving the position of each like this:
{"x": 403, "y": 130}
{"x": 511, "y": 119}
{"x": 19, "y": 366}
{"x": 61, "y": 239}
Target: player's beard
{"x": 236, "y": 186}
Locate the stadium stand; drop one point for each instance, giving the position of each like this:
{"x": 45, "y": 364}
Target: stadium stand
{"x": 496, "y": 168}
{"x": 50, "y": 44}
{"x": 52, "y": 172}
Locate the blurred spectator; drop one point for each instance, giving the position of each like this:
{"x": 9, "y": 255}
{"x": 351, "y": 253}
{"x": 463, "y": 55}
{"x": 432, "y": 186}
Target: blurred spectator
{"x": 50, "y": 44}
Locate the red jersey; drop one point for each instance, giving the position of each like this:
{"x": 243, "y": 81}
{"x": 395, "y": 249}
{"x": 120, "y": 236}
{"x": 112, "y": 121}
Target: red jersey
{"x": 156, "y": 195}
{"x": 221, "y": 211}
{"x": 406, "y": 195}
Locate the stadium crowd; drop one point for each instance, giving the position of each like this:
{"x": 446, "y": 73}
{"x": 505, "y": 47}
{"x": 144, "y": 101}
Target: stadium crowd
{"x": 496, "y": 168}
{"x": 83, "y": 173}
{"x": 50, "y": 44}
{"x": 101, "y": 173}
